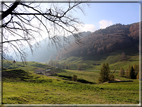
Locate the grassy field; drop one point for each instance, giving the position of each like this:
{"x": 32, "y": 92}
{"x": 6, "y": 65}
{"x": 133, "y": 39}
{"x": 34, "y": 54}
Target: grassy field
{"x": 25, "y": 87}
{"x": 61, "y": 92}
{"x": 91, "y": 76}
{"x": 29, "y": 66}
{"x": 22, "y": 86}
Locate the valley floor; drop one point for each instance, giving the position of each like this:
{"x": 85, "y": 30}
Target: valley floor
{"x": 65, "y": 92}
{"x": 26, "y": 87}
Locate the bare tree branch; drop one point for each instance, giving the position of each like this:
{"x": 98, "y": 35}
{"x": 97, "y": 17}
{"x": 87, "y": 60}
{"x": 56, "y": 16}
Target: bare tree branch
{"x": 14, "y": 40}
{"x": 9, "y": 11}
{"x": 18, "y": 23}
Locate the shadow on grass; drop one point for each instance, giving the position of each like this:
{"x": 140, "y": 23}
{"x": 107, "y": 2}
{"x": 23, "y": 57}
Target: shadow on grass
{"x": 21, "y": 75}
{"x": 78, "y": 80}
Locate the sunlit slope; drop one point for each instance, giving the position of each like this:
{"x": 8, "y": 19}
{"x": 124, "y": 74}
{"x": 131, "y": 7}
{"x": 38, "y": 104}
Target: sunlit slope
{"x": 113, "y": 59}
{"x": 29, "y": 88}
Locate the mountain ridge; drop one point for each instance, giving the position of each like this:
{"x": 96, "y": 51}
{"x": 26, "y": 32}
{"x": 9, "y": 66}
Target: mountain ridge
{"x": 106, "y": 40}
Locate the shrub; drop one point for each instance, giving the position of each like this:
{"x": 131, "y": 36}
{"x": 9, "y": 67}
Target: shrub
{"x": 74, "y": 78}
{"x": 111, "y": 77}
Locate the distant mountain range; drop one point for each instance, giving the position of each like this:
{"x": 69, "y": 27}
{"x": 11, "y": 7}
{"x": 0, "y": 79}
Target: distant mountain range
{"x": 44, "y": 52}
{"x": 115, "y": 37}
{"x": 102, "y": 41}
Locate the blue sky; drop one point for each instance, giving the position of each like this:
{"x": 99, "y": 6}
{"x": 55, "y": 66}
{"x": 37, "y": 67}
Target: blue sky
{"x": 99, "y": 15}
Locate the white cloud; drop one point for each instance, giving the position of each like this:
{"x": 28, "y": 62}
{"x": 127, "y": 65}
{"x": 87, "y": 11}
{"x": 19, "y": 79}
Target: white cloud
{"x": 88, "y": 27}
{"x": 105, "y": 23}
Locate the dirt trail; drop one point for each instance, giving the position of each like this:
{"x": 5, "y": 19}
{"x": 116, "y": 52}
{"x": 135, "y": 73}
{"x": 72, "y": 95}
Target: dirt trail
{"x": 42, "y": 71}
{"x": 117, "y": 79}
{"x": 52, "y": 77}
{"x": 48, "y": 75}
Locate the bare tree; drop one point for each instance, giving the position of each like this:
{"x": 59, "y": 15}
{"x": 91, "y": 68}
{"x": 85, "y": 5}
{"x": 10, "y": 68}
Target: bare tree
{"x": 25, "y": 21}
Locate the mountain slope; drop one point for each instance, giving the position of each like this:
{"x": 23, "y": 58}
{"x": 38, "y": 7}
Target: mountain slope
{"x": 115, "y": 37}
{"x": 46, "y": 52}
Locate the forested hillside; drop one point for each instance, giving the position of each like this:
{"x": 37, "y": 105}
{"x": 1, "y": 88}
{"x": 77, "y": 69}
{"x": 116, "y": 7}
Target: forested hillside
{"x": 103, "y": 41}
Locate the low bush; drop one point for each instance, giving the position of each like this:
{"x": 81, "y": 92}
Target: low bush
{"x": 111, "y": 77}
{"x": 74, "y": 78}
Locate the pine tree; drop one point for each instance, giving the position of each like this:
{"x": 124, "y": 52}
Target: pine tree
{"x": 121, "y": 72}
{"x": 131, "y": 73}
{"x": 136, "y": 67}
{"x": 104, "y": 73}
{"x": 107, "y": 71}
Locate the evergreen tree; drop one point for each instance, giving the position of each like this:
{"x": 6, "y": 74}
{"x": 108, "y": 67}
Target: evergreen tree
{"x": 104, "y": 74}
{"x": 121, "y": 72}
{"x": 136, "y": 67}
{"x": 131, "y": 73}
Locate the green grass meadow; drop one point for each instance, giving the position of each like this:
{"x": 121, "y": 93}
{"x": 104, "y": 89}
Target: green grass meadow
{"x": 30, "y": 88}
{"x": 61, "y": 92}
{"x": 21, "y": 85}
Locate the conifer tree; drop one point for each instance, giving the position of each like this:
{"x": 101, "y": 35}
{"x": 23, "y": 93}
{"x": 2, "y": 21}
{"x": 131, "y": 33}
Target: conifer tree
{"x": 121, "y": 72}
{"x": 104, "y": 74}
{"x": 136, "y": 67}
{"x": 131, "y": 73}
